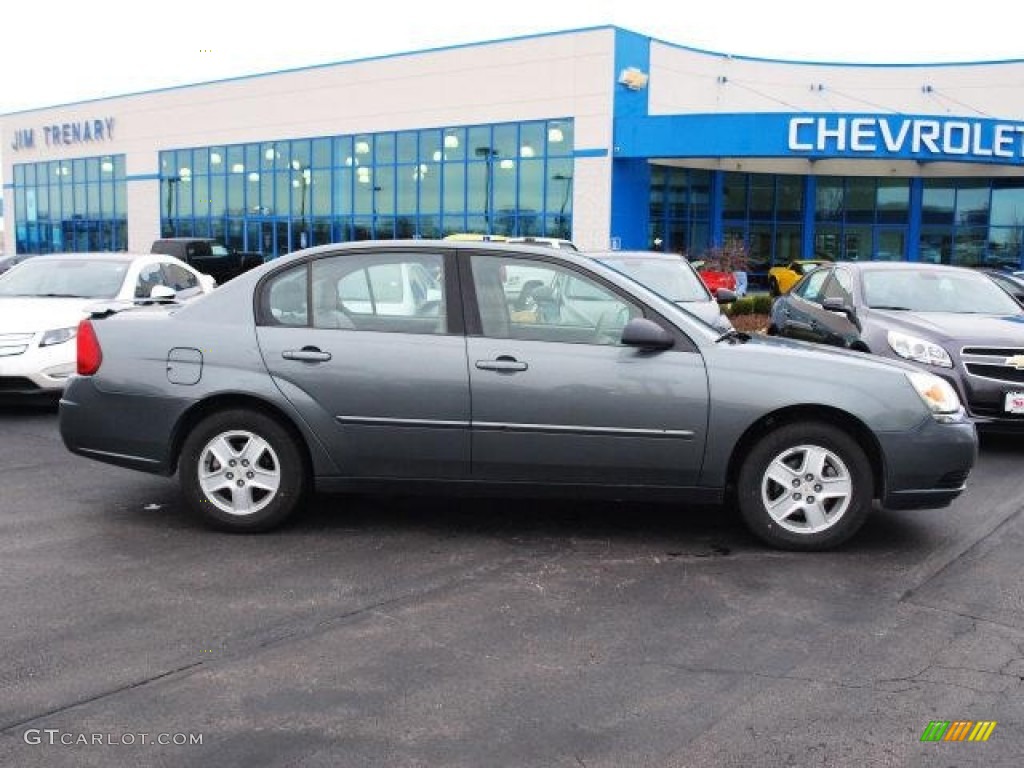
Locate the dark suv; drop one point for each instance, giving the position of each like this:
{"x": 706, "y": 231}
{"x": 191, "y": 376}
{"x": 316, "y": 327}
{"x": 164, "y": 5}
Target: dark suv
{"x": 209, "y": 256}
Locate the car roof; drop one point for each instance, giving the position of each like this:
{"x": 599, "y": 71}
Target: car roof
{"x": 895, "y": 266}
{"x": 653, "y": 255}
{"x": 93, "y": 256}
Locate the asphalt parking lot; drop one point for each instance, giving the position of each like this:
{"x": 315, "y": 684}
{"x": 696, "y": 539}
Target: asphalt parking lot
{"x": 407, "y": 632}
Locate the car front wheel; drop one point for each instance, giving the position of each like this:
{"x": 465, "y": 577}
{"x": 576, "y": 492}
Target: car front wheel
{"x": 242, "y": 471}
{"x": 805, "y": 486}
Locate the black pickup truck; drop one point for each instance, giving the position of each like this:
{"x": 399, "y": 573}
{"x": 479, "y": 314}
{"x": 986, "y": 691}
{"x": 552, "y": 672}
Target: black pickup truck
{"x": 208, "y": 256}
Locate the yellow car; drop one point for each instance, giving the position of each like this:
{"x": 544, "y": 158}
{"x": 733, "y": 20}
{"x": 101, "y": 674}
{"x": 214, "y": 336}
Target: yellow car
{"x": 781, "y": 279}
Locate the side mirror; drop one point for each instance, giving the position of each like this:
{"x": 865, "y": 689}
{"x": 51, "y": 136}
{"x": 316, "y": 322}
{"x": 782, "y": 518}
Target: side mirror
{"x": 725, "y": 296}
{"x": 835, "y": 304}
{"x": 645, "y": 334}
{"x": 162, "y": 293}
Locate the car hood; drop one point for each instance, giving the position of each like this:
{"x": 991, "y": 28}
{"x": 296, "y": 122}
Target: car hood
{"x": 708, "y": 311}
{"x": 24, "y": 314}
{"x": 955, "y": 326}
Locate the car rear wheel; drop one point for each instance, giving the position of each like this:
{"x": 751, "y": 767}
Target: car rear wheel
{"x": 805, "y": 486}
{"x": 242, "y": 471}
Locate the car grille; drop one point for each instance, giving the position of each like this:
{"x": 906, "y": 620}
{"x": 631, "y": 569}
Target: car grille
{"x": 991, "y": 363}
{"x": 14, "y": 343}
{"x": 16, "y": 384}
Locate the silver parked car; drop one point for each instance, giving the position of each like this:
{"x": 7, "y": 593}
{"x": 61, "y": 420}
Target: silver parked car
{"x": 277, "y": 383}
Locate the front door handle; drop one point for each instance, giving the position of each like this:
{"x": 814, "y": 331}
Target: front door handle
{"x": 504, "y": 364}
{"x": 307, "y": 355}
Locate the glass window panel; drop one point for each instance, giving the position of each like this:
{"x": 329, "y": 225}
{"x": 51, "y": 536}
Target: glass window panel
{"x": 265, "y": 200}
{"x": 430, "y": 192}
{"x": 270, "y": 156}
{"x": 454, "y": 188}
{"x": 762, "y": 197}
{"x": 19, "y": 175}
{"x": 1005, "y": 246}
{"x": 1007, "y": 207}
{"x": 788, "y": 243}
{"x": 829, "y": 199}
{"x": 362, "y": 150}
{"x": 407, "y": 147}
{"x": 454, "y": 144}
{"x": 479, "y": 142}
{"x": 560, "y": 137}
{"x": 789, "y": 200}
{"x": 504, "y": 180}
{"x": 559, "y": 192}
{"x": 198, "y": 161}
{"x": 343, "y": 153}
{"x": 252, "y": 192}
{"x": 734, "y": 204}
{"x": 54, "y": 196}
{"x": 300, "y": 182}
{"x": 282, "y": 192}
{"x": 860, "y": 197}
{"x": 234, "y": 160}
{"x": 42, "y": 203}
{"x": 969, "y": 246}
{"x": 201, "y": 195}
{"x": 453, "y": 223}
{"x": 363, "y": 194}
{"x": 92, "y": 169}
{"x": 407, "y": 182}
{"x": 92, "y": 192}
{"x": 935, "y": 245}
{"x": 218, "y": 195}
{"x": 78, "y": 170}
{"x": 891, "y": 245}
{"x": 480, "y": 177}
{"x": 893, "y": 201}
{"x": 972, "y": 201}
{"x": 384, "y": 148}
{"x": 343, "y": 191}
{"x": 430, "y": 146}
{"x": 384, "y": 190}
{"x": 320, "y": 190}
{"x": 119, "y": 199}
{"x": 236, "y": 194}
{"x": 218, "y": 160}
{"x": 531, "y": 190}
{"x": 362, "y": 228}
{"x": 322, "y": 153}
{"x": 301, "y": 154}
{"x": 253, "y": 158}
{"x": 534, "y": 136}
{"x": 507, "y": 145}
{"x": 938, "y": 202}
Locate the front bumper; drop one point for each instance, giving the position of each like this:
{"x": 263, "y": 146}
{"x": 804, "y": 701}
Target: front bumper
{"x": 928, "y": 467}
{"x": 37, "y": 370}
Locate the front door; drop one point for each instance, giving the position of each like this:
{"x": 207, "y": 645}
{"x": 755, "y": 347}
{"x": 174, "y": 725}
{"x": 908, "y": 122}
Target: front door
{"x": 557, "y": 398}
{"x": 376, "y": 370}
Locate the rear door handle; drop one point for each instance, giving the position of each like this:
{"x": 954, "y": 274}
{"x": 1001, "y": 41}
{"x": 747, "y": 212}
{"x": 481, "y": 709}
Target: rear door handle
{"x": 307, "y": 355}
{"x": 504, "y": 364}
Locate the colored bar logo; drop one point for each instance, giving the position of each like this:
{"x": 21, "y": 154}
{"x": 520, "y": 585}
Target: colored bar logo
{"x": 958, "y": 730}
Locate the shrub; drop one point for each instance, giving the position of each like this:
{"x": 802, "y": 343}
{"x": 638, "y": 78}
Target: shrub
{"x": 743, "y": 306}
{"x": 762, "y": 304}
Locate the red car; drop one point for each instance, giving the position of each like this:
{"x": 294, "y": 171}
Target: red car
{"x": 714, "y": 278}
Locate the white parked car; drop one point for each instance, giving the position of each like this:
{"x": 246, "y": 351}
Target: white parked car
{"x": 43, "y": 298}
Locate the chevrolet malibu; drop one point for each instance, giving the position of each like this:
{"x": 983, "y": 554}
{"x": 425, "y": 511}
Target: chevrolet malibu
{"x": 277, "y": 384}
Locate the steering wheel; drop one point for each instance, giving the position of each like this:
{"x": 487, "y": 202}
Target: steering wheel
{"x": 608, "y": 329}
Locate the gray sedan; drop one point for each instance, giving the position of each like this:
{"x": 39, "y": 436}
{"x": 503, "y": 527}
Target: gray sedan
{"x": 302, "y": 374}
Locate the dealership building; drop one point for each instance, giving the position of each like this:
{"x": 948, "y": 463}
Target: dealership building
{"x": 603, "y": 135}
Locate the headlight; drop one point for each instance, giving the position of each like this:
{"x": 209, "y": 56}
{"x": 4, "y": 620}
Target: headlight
{"x": 918, "y": 350}
{"x": 58, "y": 336}
{"x": 936, "y": 392}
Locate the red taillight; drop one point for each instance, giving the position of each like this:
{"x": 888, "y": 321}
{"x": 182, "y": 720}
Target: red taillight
{"x": 89, "y": 353}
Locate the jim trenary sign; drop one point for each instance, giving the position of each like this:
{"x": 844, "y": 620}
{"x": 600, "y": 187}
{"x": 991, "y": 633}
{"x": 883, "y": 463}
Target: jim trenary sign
{"x": 64, "y": 134}
{"x": 917, "y": 137}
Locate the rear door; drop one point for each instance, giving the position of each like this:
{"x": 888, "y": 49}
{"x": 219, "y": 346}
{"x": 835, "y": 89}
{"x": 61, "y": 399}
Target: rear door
{"x": 383, "y": 382}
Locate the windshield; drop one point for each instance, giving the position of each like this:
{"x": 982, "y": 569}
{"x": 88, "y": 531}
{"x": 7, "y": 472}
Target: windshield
{"x": 673, "y": 280}
{"x": 75, "y": 278}
{"x": 926, "y": 291}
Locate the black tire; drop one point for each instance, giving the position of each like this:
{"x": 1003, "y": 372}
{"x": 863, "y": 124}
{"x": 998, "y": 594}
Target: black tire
{"x": 829, "y": 520}
{"x": 239, "y": 432}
